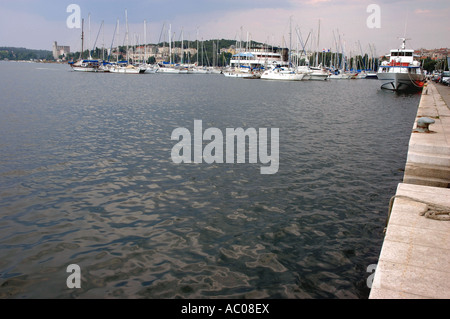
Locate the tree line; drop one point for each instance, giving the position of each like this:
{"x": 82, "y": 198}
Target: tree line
{"x": 11, "y": 53}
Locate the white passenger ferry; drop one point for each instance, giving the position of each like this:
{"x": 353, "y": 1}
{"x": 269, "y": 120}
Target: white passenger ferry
{"x": 402, "y": 71}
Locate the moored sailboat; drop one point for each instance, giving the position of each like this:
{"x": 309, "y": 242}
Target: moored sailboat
{"x": 125, "y": 67}
{"x": 84, "y": 65}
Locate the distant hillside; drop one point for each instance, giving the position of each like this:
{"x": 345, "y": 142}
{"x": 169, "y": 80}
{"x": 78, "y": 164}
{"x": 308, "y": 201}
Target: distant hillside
{"x": 11, "y": 53}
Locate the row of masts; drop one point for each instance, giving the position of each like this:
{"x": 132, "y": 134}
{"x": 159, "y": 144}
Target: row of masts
{"x": 339, "y": 58}
{"x": 126, "y": 41}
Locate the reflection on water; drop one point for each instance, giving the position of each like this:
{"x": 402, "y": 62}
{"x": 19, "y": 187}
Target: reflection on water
{"x": 86, "y": 178}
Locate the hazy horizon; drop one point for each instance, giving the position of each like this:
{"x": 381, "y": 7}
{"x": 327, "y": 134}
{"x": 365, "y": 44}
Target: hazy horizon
{"x": 37, "y": 24}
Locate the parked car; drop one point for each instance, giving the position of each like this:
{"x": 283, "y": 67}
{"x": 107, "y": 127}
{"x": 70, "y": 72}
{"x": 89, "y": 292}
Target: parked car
{"x": 446, "y": 81}
{"x": 445, "y": 76}
{"x": 436, "y": 77}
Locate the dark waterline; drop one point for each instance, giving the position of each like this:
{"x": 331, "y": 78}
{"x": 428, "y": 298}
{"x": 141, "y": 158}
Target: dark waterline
{"x": 86, "y": 178}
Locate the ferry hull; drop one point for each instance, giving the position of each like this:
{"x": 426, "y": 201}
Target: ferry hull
{"x": 401, "y": 81}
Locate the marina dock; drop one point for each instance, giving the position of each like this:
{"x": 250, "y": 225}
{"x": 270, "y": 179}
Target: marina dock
{"x": 415, "y": 255}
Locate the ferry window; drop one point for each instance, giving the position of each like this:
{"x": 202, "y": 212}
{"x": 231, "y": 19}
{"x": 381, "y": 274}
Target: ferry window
{"x": 408, "y": 54}
{"x": 394, "y": 54}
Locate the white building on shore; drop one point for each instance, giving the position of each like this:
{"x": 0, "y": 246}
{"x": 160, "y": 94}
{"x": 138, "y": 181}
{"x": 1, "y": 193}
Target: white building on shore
{"x": 59, "y": 50}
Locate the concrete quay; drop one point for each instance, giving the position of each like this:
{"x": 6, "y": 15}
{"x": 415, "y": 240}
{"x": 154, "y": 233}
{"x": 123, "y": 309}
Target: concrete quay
{"x": 428, "y": 161}
{"x": 415, "y": 258}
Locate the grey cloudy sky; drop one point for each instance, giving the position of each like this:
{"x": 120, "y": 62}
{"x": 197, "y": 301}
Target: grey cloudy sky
{"x": 37, "y": 23}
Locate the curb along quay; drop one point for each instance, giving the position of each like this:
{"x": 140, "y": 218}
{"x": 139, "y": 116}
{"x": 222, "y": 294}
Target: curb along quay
{"x": 414, "y": 259}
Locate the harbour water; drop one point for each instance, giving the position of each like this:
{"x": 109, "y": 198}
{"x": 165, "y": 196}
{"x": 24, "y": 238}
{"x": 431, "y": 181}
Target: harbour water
{"x": 86, "y": 178}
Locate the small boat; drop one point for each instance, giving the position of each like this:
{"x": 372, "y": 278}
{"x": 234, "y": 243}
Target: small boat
{"x": 282, "y": 73}
{"x": 337, "y": 75}
{"x": 242, "y": 73}
{"x": 151, "y": 70}
{"x": 318, "y": 74}
{"x": 199, "y": 70}
{"x": 87, "y": 65}
{"x": 126, "y": 68}
{"x": 402, "y": 72}
{"x": 171, "y": 68}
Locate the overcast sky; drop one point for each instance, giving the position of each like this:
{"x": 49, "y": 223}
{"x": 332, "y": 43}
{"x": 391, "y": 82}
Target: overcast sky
{"x": 35, "y": 24}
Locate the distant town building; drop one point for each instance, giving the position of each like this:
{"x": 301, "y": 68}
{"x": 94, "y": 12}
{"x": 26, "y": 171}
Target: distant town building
{"x": 59, "y": 50}
{"x": 434, "y": 54}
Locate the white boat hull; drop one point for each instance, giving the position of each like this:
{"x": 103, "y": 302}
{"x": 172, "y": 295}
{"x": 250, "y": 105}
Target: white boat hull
{"x": 200, "y": 71}
{"x": 84, "y": 69}
{"x": 282, "y": 75}
{"x": 169, "y": 70}
{"x": 242, "y": 75}
{"x": 318, "y": 76}
{"x": 398, "y": 81}
{"x": 215, "y": 71}
{"x": 339, "y": 77}
{"x": 306, "y": 77}
{"x": 127, "y": 70}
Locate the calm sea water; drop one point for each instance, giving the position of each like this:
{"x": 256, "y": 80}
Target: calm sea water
{"x": 86, "y": 178}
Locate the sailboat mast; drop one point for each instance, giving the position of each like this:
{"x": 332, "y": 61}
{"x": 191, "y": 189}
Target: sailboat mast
{"x": 197, "y": 47}
{"x": 318, "y": 41}
{"x": 112, "y": 42}
{"x": 103, "y": 40}
{"x": 170, "y": 43}
{"x": 118, "y": 45}
{"x": 362, "y": 57}
{"x": 290, "y": 40}
{"x": 126, "y": 36}
{"x": 89, "y": 36}
{"x": 82, "y": 39}
{"x": 145, "y": 41}
{"x": 182, "y": 46}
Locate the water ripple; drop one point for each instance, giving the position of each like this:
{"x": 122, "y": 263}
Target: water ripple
{"x": 86, "y": 178}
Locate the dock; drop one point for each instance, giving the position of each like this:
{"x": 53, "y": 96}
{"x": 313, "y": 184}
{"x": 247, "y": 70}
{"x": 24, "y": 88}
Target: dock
{"x": 415, "y": 256}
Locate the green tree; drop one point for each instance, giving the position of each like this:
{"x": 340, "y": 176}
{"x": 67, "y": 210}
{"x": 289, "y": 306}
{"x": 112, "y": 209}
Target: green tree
{"x": 429, "y": 64}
